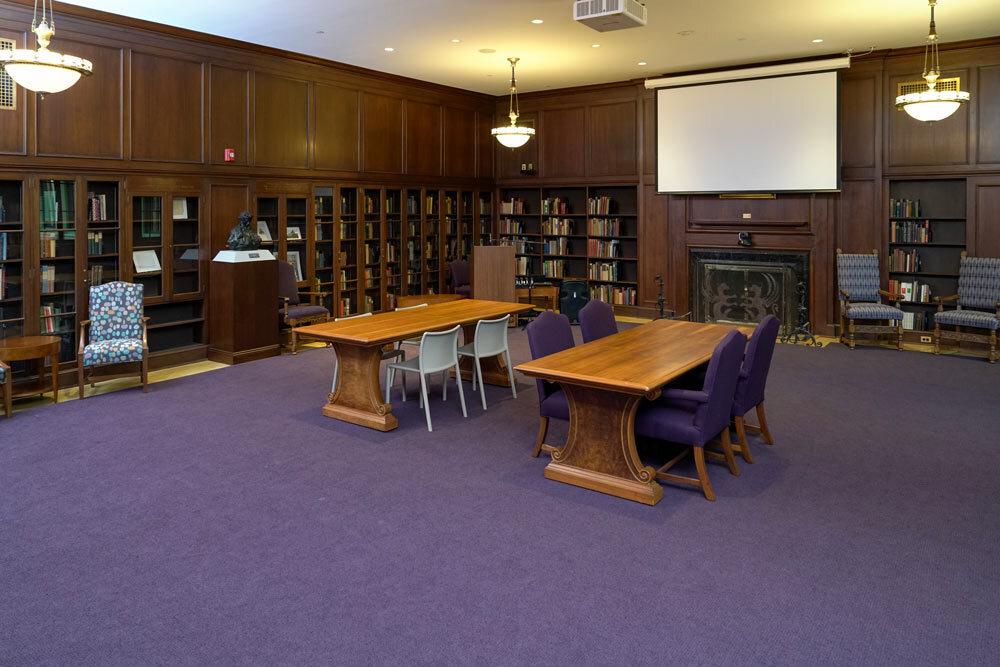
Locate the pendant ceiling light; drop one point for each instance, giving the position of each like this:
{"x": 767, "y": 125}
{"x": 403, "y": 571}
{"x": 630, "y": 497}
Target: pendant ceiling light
{"x": 513, "y": 135}
{"x": 941, "y": 97}
{"x": 41, "y": 70}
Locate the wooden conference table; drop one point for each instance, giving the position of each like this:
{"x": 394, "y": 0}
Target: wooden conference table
{"x": 359, "y": 343}
{"x": 605, "y": 381}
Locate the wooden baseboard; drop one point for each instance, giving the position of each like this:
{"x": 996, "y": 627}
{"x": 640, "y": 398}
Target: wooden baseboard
{"x": 243, "y": 356}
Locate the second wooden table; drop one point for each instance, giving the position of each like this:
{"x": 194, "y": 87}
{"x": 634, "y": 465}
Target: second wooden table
{"x": 359, "y": 343}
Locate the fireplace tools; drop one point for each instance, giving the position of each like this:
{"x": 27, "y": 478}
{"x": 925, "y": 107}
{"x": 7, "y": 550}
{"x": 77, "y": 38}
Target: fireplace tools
{"x": 801, "y": 333}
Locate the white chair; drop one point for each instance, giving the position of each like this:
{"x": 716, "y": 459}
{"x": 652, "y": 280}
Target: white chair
{"x": 438, "y": 352}
{"x": 410, "y": 341}
{"x": 490, "y": 340}
{"x": 386, "y": 354}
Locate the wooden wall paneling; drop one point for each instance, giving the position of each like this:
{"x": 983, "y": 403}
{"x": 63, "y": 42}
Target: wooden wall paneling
{"x": 281, "y": 121}
{"x": 822, "y": 281}
{"x": 97, "y": 98}
{"x": 649, "y": 132}
{"x": 459, "y": 142}
{"x": 226, "y": 202}
{"x": 913, "y": 143}
{"x": 423, "y": 139}
{"x": 983, "y": 224}
{"x": 229, "y": 114}
{"x": 859, "y": 225}
{"x": 654, "y": 247}
{"x": 562, "y": 138}
{"x": 858, "y": 119}
{"x": 167, "y": 97}
{"x": 611, "y": 139}
{"x": 790, "y": 211}
{"x": 485, "y": 143}
{"x": 13, "y": 122}
{"x": 678, "y": 283}
{"x": 337, "y": 128}
{"x": 382, "y": 133}
{"x": 987, "y": 101}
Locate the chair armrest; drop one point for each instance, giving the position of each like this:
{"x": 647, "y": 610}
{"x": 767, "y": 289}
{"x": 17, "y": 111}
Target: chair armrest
{"x": 283, "y": 305}
{"x": 941, "y": 299}
{"x": 83, "y": 327}
{"x": 685, "y": 395}
{"x": 892, "y": 296}
{"x": 313, "y": 296}
{"x": 845, "y": 294}
{"x": 145, "y": 342}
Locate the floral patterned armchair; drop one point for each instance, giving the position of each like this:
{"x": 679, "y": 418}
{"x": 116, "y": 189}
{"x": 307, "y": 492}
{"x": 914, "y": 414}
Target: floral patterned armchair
{"x": 117, "y": 332}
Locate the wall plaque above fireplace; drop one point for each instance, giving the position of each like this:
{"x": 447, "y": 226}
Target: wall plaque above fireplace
{"x": 743, "y": 286}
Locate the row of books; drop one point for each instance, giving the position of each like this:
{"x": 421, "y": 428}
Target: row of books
{"x": 912, "y": 290}
{"x": 449, "y": 206}
{"x": 520, "y": 244}
{"x": 604, "y": 271}
{"x": 553, "y": 268}
{"x": 555, "y": 205}
{"x": 904, "y": 260}
{"x": 413, "y": 279}
{"x": 412, "y": 206}
{"x": 390, "y": 301}
{"x": 372, "y": 253}
{"x": 95, "y": 243}
{"x": 558, "y": 246}
{"x": 908, "y": 231}
{"x": 49, "y": 245}
{"x": 603, "y": 248}
{"x": 904, "y": 208}
{"x": 371, "y": 205}
{"x": 56, "y": 201}
{"x": 616, "y": 295}
{"x": 391, "y": 252}
{"x": 372, "y": 230}
{"x": 917, "y": 321}
{"x": 50, "y": 322}
{"x": 346, "y": 306}
{"x": 430, "y": 250}
{"x": 9, "y": 248}
{"x": 606, "y": 226}
{"x": 48, "y": 278}
{"x": 6, "y": 291}
{"x": 3, "y": 209}
{"x": 371, "y": 277}
{"x": 97, "y": 207}
{"x": 599, "y": 205}
{"x": 514, "y": 206}
{"x": 370, "y": 304}
{"x": 557, "y": 226}
{"x": 348, "y": 230}
{"x": 430, "y": 207}
{"x": 523, "y": 266}
{"x": 508, "y": 226}
{"x": 95, "y": 274}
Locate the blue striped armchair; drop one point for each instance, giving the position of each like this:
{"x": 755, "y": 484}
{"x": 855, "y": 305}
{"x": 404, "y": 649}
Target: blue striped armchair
{"x": 858, "y": 277}
{"x": 978, "y": 305}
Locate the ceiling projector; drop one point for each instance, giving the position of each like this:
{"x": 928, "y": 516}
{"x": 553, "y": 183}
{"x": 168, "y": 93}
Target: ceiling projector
{"x": 607, "y": 15}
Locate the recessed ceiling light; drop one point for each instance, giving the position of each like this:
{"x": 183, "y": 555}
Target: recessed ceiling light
{"x": 487, "y": 50}
{"x": 596, "y": 46}
{"x": 389, "y": 49}
{"x": 685, "y": 33}
{"x": 537, "y": 21}
{"x": 642, "y": 62}
{"x": 455, "y": 41}
{"x": 817, "y": 41}
{"x": 320, "y": 32}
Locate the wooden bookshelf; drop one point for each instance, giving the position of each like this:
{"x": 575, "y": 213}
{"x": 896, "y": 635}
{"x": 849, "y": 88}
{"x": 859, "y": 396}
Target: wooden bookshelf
{"x": 926, "y": 237}
{"x": 575, "y": 233}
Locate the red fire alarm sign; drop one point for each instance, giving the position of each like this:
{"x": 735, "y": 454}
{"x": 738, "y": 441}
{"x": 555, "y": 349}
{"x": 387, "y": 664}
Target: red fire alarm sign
{"x": 230, "y": 155}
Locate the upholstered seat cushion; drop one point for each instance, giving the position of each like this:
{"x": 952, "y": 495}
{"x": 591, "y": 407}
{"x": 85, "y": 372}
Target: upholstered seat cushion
{"x": 555, "y": 406}
{"x": 968, "y": 318}
{"x": 118, "y": 351}
{"x": 668, "y": 420}
{"x": 3, "y": 374}
{"x": 296, "y": 312}
{"x": 464, "y": 290}
{"x": 873, "y": 311}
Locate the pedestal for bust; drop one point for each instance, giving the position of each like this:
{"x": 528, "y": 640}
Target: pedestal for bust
{"x": 243, "y": 306}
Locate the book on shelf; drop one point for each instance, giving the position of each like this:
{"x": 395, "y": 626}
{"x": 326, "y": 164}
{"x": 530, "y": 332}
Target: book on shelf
{"x": 555, "y": 205}
{"x": 604, "y": 271}
{"x": 603, "y": 248}
{"x": 904, "y": 208}
{"x": 599, "y": 205}
{"x": 48, "y": 275}
{"x": 910, "y": 231}
{"x": 605, "y": 226}
{"x": 145, "y": 261}
{"x": 3, "y": 282}
{"x": 553, "y": 268}
{"x": 95, "y": 274}
{"x": 557, "y": 246}
{"x": 907, "y": 261}
{"x": 95, "y": 243}
{"x": 614, "y": 295}
{"x": 180, "y": 208}
{"x": 515, "y": 205}
{"x": 523, "y": 265}
{"x": 917, "y": 321}
{"x": 557, "y": 226}
{"x": 97, "y": 207}
{"x": 913, "y": 291}
{"x": 3, "y": 245}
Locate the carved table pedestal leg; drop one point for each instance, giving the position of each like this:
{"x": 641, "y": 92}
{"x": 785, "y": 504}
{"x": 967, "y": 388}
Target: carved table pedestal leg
{"x": 599, "y": 453}
{"x": 358, "y": 398}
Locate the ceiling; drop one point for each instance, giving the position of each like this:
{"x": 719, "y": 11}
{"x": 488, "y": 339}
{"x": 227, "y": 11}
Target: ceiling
{"x": 680, "y": 35}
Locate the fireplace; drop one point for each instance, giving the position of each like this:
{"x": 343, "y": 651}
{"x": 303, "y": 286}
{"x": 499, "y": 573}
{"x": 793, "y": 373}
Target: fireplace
{"x": 743, "y": 286}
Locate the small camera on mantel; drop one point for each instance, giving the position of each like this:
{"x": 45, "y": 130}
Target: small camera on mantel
{"x": 527, "y": 169}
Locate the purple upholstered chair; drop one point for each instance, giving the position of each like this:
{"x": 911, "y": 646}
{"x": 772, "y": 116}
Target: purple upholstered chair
{"x": 460, "y": 277}
{"x": 549, "y": 333}
{"x": 753, "y": 377}
{"x": 695, "y": 418}
{"x": 291, "y": 310}
{"x": 597, "y": 320}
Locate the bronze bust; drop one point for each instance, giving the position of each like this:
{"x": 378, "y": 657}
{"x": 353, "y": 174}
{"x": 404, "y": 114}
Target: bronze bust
{"x": 243, "y": 236}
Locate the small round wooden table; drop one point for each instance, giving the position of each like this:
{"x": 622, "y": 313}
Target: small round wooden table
{"x": 34, "y": 347}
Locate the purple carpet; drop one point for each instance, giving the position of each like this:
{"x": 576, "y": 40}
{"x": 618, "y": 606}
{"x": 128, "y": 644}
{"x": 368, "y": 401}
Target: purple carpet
{"x": 220, "y": 519}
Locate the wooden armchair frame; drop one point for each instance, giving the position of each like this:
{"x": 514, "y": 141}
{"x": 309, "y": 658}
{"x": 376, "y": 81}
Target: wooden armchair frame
{"x": 8, "y": 389}
{"x": 959, "y": 335}
{"x": 83, "y": 375}
{"x": 314, "y": 300}
{"x": 848, "y": 328}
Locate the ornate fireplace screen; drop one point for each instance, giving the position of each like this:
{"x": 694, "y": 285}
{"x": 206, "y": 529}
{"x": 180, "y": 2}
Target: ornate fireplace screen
{"x": 744, "y": 292}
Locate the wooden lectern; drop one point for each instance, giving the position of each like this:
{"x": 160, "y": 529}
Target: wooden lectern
{"x": 243, "y": 310}
{"x": 493, "y": 273}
